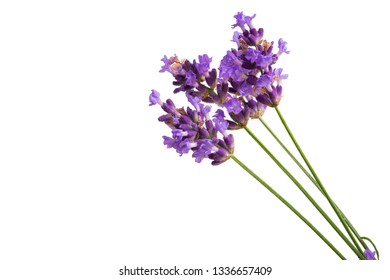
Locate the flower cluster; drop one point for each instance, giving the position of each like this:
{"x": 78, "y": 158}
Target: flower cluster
{"x": 240, "y": 89}
{"x": 194, "y": 130}
{"x": 249, "y": 68}
{"x": 243, "y": 86}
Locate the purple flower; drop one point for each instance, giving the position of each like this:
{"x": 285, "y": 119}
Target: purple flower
{"x": 178, "y": 134}
{"x": 263, "y": 61}
{"x": 241, "y": 20}
{"x": 220, "y": 121}
{"x": 169, "y": 142}
{"x": 233, "y": 105}
{"x": 246, "y": 84}
{"x": 248, "y": 69}
{"x": 230, "y": 67}
{"x": 170, "y": 108}
{"x": 255, "y": 36}
{"x": 265, "y": 81}
{"x": 220, "y": 155}
{"x": 172, "y": 65}
{"x": 245, "y": 89}
{"x": 194, "y": 100}
{"x": 276, "y": 95}
{"x": 167, "y": 64}
{"x": 181, "y": 147}
{"x": 191, "y": 79}
{"x": 278, "y": 77}
{"x": 236, "y": 38}
{"x": 370, "y": 255}
{"x": 154, "y": 98}
{"x": 203, "y": 66}
{"x": 257, "y": 108}
{"x": 265, "y": 99}
{"x": 203, "y": 149}
{"x": 252, "y": 54}
{"x": 204, "y": 110}
{"x": 282, "y": 45}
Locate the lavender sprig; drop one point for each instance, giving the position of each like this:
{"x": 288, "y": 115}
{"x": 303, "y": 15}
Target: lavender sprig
{"x": 193, "y": 130}
{"x": 245, "y": 84}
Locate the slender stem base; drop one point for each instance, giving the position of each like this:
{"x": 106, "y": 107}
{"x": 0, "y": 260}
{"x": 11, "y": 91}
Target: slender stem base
{"x": 354, "y": 231}
{"x": 303, "y": 190}
{"x": 285, "y": 202}
{"x": 318, "y": 181}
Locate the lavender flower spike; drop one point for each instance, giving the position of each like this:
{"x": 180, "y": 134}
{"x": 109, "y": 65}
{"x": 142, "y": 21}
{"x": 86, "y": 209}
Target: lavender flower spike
{"x": 193, "y": 130}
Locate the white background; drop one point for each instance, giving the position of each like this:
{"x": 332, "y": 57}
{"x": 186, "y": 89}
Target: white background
{"x": 87, "y": 187}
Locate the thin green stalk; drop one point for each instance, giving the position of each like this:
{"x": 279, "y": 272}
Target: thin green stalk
{"x": 289, "y": 153}
{"x": 285, "y": 202}
{"x": 314, "y": 182}
{"x": 303, "y": 190}
{"x": 316, "y": 178}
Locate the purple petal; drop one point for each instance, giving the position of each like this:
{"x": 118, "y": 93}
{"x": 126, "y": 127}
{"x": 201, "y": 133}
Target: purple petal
{"x": 263, "y": 61}
{"x": 245, "y": 89}
{"x": 169, "y": 142}
{"x": 167, "y": 64}
{"x": 203, "y": 149}
{"x": 370, "y": 255}
{"x": 282, "y": 45}
{"x": 154, "y": 98}
{"x": 231, "y": 67}
{"x": 278, "y": 77}
{"x": 265, "y": 81}
{"x": 204, "y": 64}
{"x": 220, "y": 122}
{"x": 191, "y": 79}
{"x": 252, "y": 54}
{"x": 233, "y": 105}
{"x": 241, "y": 20}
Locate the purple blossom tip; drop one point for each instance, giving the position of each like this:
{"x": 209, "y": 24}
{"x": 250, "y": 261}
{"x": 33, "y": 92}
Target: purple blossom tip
{"x": 166, "y": 65}
{"x": 203, "y": 66}
{"x": 282, "y": 45}
{"x": 370, "y": 255}
{"x": 204, "y": 148}
{"x": 194, "y": 100}
{"x": 242, "y": 19}
{"x": 236, "y": 37}
{"x": 169, "y": 142}
{"x": 231, "y": 67}
{"x": 265, "y": 81}
{"x": 221, "y": 123}
{"x": 233, "y": 105}
{"x": 252, "y": 55}
{"x": 278, "y": 77}
{"x": 173, "y": 65}
{"x": 191, "y": 79}
{"x": 154, "y": 98}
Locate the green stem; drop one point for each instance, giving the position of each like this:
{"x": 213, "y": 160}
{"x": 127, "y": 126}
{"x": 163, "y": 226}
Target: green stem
{"x": 318, "y": 180}
{"x": 303, "y": 190}
{"x": 361, "y": 240}
{"x": 285, "y": 202}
